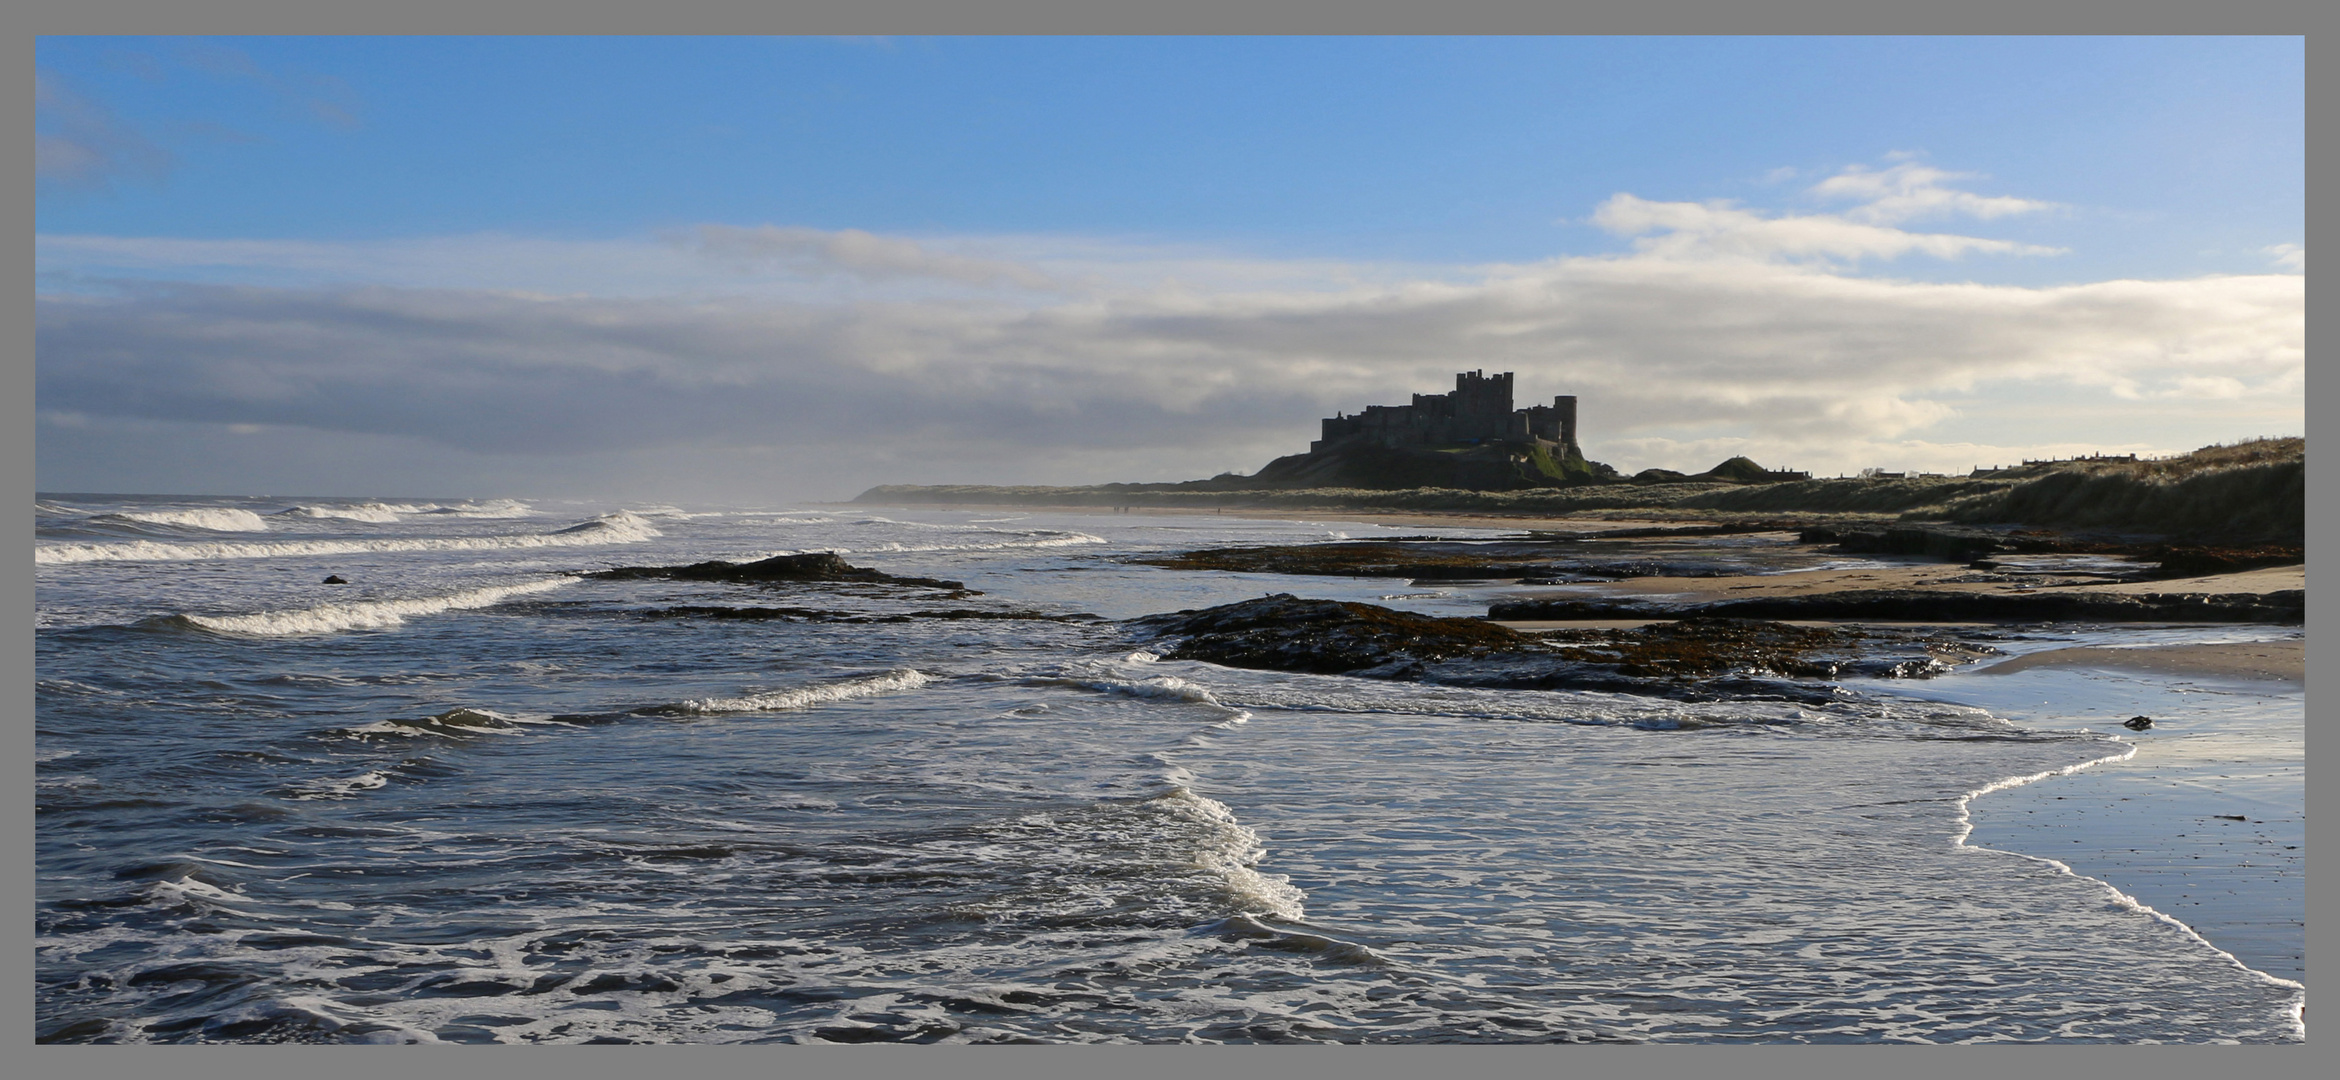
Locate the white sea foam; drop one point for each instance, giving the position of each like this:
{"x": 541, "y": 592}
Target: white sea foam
{"x": 801, "y": 696}
{"x": 493, "y": 508}
{"x": 617, "y": 528}
{"x": 457, "y": 722}
{"x": 1046, "y": 540}
{"x": 339, "y": 787}
{"x": 1231, "y": 851}
{"x": 365, "y": 614}
{"x": 214, "y": 518}
{"x": 378, "y": 513}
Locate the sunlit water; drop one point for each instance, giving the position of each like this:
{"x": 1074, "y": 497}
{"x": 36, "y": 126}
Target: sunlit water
{"x": 264, "y": 818}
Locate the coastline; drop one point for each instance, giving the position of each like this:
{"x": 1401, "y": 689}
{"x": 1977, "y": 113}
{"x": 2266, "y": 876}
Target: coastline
{"x": 2159, "y": 827}
{"x": 2205, "y": 823}
{"x": 2282, "y": 661}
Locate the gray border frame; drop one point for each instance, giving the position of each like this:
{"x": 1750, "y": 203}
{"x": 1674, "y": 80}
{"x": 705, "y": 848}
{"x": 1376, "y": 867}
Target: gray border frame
{"x": 943, "y": 17}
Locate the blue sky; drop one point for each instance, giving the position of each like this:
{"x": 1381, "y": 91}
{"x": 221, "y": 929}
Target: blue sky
{"x": 1144, "y": 258}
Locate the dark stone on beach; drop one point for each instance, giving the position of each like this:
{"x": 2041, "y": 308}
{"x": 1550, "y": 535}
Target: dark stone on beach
{"x": 1285, "y": 633}
{"x": 1423, "y": 559}
{"x": 822, "y": 615}
{"x": 1941, "y": 541}
{"x": 1697, "y": 660}
{"x": 2137, "y": 723}
{"x": 335, "y": 579}
{"x": 812, "y": 566}
{"x": 1914, "y": 605}
{"x": 1971, "y": 544}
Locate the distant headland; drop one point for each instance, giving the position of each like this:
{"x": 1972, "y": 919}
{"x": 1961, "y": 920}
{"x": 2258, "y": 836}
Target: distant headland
{"x": 1470, "y": 451}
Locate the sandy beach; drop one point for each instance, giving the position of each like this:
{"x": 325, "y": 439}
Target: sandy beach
{"x": 2284, "y": 660}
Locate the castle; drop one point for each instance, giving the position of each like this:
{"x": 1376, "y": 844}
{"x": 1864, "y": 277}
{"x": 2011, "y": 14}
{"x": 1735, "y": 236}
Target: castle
{"x": 1478, "y": 411}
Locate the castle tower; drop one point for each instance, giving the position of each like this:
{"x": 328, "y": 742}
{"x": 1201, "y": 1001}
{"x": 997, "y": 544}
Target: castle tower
{"x": 1565, "y": 405}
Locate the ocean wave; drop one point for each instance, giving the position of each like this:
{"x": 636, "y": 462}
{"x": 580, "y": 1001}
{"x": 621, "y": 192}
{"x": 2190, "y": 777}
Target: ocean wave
{"x": 1160, "y": 688}
{"x": 378, "y": 513}
{"x": 338, "y": 787}
{"x": 1231, "y": 851}
{"x": 1171, "y": 859}
{"x": 493, "y": 508}
{"x": 214, "y": 518}
{"x": 799, "y": 697}
{"x": 617, "y": 528}
{"x": 363, "y": 614}
{"x": 456, "y": 722}
{"x": 1024, "y": 540}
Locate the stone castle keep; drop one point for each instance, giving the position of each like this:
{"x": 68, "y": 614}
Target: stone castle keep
{"x": 1478, "y": 411}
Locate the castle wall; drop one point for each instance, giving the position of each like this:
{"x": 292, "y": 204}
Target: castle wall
{"x": 1478, "y": 409}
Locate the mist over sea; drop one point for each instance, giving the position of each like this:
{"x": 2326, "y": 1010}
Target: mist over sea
{"x": 469, "y": 796}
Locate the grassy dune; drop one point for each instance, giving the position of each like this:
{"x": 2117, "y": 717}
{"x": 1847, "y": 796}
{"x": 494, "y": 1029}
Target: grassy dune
{"x": 2255, "y": 490}
{"x": 2249, "y": 491}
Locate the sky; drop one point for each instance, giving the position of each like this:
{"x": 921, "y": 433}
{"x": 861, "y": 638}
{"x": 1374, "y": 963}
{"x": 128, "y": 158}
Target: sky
{"x": 754, "y": 270}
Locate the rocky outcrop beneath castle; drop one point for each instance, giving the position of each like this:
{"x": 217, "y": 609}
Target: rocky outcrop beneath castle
{"x": 1695, "y": 659}
{"x": 818, "y": 566}
{"x": 1492, "y": 466}
{"x": 1939, "y": 606}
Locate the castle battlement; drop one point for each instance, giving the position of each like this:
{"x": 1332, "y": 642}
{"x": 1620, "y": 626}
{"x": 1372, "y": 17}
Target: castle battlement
{"x": 1477, "y": 411}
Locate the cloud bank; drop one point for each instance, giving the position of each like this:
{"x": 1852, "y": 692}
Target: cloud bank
{"x": 805, "y": 363}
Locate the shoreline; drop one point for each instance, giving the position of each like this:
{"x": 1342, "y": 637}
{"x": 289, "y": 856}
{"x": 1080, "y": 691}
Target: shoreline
{"x": 2204, "y": 824}
{"x": 2282, "y": 661}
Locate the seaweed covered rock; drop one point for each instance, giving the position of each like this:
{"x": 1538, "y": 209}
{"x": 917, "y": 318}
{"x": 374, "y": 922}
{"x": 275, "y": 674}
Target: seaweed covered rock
{"x": 812, "y": 566}
{"x": 1698, "y": 659}
{"x": 1932, "y": 606}
{"x": 1285, "y": 633}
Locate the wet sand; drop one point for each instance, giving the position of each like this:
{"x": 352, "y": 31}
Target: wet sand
{"x": 2286, "y": 660}
{"x": 2205, "y": 824}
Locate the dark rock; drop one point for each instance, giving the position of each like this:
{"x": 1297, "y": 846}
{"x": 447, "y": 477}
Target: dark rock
{"x": 2137, "y": 723}
{"x": 1285, "y": 633}
{"x": 1941, "y": 541}
{"x": 1914, "y": 605}
{"x": 812, "y": 566}
{"x": 335, "y": 579}
{"x": 823, "y": 615}
{"x": 1698, "y": 659}
{"x": 1429, "y": 559}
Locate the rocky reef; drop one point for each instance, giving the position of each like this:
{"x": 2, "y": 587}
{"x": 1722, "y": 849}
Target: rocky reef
{"x": 1939, "y": 606}
{"x": 1694, "y": 659}
{"x": 818, "y": 566}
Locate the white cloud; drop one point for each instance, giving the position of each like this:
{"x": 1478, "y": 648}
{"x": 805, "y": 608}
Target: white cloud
{"x": 1682, "y": 230}
{"x": 1910, "y": 190}
{"x": 1052, "y": 360}
{"x": 2292, "y": 257}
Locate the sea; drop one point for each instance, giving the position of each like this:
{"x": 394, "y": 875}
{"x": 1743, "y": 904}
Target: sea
{"x": 469, "y": 796}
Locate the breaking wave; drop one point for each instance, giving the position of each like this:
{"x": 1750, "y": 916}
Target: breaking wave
{"x": 216, "y": 519}
{"x": 338, "y": 787}
{"x": 379, "y": 513}
{"x": 362, "y": 615}
{"x": 1171, "y": 859}
{"x": 799, "y": 697}
{"x": 618, "y": 528}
